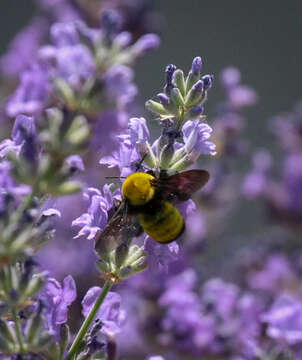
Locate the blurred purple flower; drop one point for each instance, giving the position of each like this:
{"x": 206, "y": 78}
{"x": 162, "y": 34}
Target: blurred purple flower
{"x": 146, "y": 43}
{"x": 230, "y": 77}
{"x": 184, "y": 319}
{"x": 284, "y": 320}
{"x": 120, "y": 88}
{"x": 238, "y": 96}
{"x": 249, "y": 311}
{"x": 196, "y": 229}
{"x": 242, "y": 96}
{"x": 56, "y": 300}
{"x": 221, "y": 296}
{"x": 110, "y": 313}
{"x": 69, "y": 59}
{"x": 75, "y": 163}
{"x": 32, "y": 94}
{"x": 64, "y": 34}
{"x": 276, "y": 274}
{"x": 75, "y": 64}
{"x": 256, "y": 181}
{"x": 23, "y": 49}
{"x": 107, "y": 126}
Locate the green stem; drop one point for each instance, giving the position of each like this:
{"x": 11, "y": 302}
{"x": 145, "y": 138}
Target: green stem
{"x": 18, "y": 329}
{"x": 86, "y": 324}
{"x": 180, "y": 120}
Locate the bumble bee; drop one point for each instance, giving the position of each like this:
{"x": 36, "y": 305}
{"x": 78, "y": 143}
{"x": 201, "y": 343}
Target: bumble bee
{"x": 147, "y": 205}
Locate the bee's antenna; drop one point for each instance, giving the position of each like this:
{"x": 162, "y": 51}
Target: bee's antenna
{"x": 115, "y": 177}
{"x": 140, "y": 163}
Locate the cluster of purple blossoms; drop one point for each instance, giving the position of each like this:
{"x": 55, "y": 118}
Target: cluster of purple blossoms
{"x": 82, "y": 81}
{"x": 259, "y": 318}
{"x": 86, "y": 70}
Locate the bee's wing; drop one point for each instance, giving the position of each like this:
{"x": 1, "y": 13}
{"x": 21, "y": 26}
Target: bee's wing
{"x": 181, "y": 186}
{"x": 119, "y": 229}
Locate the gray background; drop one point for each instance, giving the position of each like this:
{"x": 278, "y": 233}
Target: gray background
{"x": 261, "y": 38}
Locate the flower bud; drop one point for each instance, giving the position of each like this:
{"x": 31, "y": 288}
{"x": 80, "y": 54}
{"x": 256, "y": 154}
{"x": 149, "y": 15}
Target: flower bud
{"x": 169, "y": 74}
{"x": 194, "y": 96}
{"x": 196, "y": 66}
{"x": 195, "y": 112}
{"x": 79, "y": 131}
{"x": 176, "y": 97}
{"x": 207, "y": 81}
{"x": 163, "y": 98}
{"x": 179, "y": 81}
{"x": 170, "y": 107}
{"x": 156, "y": 108}
{"x": 194, "y": 73}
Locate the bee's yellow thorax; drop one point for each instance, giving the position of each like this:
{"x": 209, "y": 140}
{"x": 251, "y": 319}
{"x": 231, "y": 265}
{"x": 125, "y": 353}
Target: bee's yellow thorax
{"x": 137, "y": 188}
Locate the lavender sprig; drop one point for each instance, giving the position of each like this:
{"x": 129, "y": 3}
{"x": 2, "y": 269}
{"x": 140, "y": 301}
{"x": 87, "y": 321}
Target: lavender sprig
{"x": 56, "y": 104}
{"x": 181, "y": 143}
